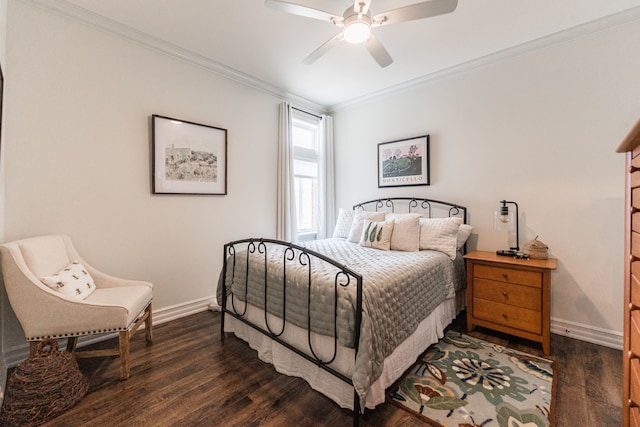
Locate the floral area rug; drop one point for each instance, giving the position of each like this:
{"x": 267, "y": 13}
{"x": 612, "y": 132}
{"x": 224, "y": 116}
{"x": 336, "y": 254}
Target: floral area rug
{"x": 467, "y": 382}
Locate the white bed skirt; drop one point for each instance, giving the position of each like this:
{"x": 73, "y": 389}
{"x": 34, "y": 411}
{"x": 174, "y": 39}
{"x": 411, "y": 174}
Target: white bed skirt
{"x": 289, "y": 363}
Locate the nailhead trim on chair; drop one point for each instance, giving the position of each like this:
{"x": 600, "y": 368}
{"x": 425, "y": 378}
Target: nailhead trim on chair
{"x": 76, "y": 334}
{"x": 101, "y": 331}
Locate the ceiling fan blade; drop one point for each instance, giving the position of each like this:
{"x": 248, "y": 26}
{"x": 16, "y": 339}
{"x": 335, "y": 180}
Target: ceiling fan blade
{"x": 323, "y": 49}
{"x": 416, "y": 11}
{"x": 298, "y": 9}
{"x": 378, "y": 51}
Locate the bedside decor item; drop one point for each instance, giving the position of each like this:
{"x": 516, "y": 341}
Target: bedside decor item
{"x": 506, "y": 219}
{"x": 466, "y": 381}
{"x": 404, "y": 162}
{"x": 535, "y": 249}
{"x": 188, "y": 158}
{"x": 43, "y": 386}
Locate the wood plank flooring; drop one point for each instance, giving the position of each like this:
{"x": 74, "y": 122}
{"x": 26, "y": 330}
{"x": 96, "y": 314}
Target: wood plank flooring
{"x": 188, "y": 377}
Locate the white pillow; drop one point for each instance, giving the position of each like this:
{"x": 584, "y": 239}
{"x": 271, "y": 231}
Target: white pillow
{"x": 72, "y": 281}
{"x": 406, "y": 232}
{"x": 463, "y": 234}
{"x": 343, "y": 224}
{"x": 377, "y": 235}
{"x": 356, "y": 225}
{"x": 440, "y": 234}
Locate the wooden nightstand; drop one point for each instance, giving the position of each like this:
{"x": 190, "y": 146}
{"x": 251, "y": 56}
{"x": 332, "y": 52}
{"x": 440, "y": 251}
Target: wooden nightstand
{"x": 510, "y": 295}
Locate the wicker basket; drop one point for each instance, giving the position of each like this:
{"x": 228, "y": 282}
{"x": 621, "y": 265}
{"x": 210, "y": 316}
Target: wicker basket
{"x": 42, "y": 387}
{"x": 536, "y": 249}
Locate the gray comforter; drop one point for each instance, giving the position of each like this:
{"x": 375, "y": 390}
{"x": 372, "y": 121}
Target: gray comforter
{"x": 400, "y": 289}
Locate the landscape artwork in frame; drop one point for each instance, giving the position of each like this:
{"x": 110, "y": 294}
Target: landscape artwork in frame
{"x": 188, "y": 158}
{"x": 404, "y": 162}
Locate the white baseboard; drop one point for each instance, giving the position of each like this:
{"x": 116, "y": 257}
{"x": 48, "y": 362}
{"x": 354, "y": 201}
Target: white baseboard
{"x": 588, "y": 333}
{"x": 579, "y": 331}
{"x": 18, "y": 353}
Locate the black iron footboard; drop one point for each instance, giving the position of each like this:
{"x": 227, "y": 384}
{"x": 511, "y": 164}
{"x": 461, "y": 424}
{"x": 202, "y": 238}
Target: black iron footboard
{"x": 307, "y": 259}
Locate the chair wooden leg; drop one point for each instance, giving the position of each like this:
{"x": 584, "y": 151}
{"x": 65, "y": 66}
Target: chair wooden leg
{"x": 124, "y": 355}
{"x": 71, "y": 344}
{"x": 148, "y": 325}
{"x": 33, "y": 345}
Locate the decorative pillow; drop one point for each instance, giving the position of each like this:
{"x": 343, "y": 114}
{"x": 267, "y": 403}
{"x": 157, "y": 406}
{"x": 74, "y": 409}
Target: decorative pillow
{"x": 72, "y": 281}
{"x": 343, "y": 224}
{"x": 440, "y": 234}
{"x": 463, "y": 234}
{"x": 377, "y": 235}
{"x": 406, "y": 232}
{"x": 358, "y": 220}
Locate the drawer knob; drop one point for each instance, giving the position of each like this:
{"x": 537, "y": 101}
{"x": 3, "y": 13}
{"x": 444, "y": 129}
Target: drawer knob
{"x": 504, "y": 315}
{"x": 504, "y": 294}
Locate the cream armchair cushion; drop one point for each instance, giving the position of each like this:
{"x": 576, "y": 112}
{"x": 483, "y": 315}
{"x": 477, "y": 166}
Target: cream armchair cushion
{"x": 116, "y": 305}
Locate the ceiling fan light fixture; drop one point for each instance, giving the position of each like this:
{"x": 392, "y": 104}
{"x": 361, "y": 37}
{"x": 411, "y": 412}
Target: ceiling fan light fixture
{"x": 357, "y": 31}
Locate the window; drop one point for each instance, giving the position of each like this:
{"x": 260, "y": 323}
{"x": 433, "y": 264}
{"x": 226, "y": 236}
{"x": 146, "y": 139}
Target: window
{"x": 305, "y": 140}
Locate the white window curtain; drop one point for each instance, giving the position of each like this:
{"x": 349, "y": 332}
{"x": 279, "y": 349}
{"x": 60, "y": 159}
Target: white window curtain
{"x": 286, "y": 227}
{"x": 326, "y": 202}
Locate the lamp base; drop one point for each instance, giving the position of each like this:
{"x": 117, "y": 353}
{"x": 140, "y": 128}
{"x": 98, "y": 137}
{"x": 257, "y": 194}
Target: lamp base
{"x": 507, "y": 252}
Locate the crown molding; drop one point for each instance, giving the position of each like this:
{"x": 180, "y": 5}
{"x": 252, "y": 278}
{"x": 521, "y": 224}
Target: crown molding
{"x": 581, "y": 31}
{"x": 78, "y": 14}
{"x": 109, "y": 26}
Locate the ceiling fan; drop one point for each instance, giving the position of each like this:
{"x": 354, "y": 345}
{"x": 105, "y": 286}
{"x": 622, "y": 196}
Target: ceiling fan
{"x": 356, "y": 23}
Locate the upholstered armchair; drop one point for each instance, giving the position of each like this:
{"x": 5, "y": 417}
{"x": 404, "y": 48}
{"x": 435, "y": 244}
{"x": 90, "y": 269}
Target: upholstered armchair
{"x": 56, "y": 294}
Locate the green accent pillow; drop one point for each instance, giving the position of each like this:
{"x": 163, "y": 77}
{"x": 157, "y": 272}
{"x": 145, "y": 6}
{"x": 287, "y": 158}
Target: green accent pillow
{"x": 377, "y": 234}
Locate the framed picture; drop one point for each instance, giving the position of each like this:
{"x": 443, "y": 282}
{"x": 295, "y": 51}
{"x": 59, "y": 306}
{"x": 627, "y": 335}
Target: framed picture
{"x": 404, "y": 162}
{"x": 188, "y": 158}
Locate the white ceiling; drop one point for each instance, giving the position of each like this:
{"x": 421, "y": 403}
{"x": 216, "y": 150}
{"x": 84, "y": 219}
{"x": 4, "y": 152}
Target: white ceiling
{"x": 260, "y": 44}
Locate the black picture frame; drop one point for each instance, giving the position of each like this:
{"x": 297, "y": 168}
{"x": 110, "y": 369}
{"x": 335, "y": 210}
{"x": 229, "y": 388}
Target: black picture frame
{"x": 404, "y": 162}
{"x": 188, "y": 158}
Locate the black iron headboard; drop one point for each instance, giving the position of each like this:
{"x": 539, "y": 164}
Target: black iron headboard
{"x": 427, "y": 207}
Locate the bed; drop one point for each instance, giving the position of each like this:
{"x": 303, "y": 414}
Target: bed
{"x": 350, "y": 314}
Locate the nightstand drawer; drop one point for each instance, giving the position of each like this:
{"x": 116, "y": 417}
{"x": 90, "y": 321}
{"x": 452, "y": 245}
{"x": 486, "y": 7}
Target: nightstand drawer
{"x": 503, "y": 274}
{"x": 508, "y": 315}
{"x": 508, "y": 293}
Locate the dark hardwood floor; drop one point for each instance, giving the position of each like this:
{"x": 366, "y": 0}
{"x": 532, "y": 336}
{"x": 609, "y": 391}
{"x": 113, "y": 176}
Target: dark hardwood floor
{"x": 188, "y": 377}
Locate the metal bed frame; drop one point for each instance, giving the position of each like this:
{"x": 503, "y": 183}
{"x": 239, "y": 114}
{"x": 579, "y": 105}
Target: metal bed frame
{"x": 344, "y": 277}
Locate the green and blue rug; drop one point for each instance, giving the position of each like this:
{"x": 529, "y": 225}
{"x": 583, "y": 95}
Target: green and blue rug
{"x": 467, "y": 382}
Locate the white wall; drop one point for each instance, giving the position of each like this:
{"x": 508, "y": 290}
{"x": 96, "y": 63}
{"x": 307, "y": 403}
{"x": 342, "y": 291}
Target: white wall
{"x": 540, "y": 129}
{"x": 78, "y": 156}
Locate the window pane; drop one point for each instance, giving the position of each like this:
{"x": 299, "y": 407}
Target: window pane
{"x": 304, "y": 137}
{"x": 305, "y": 143}
{"x": 304, "y": 168}
{"x": 306, "y": 196}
